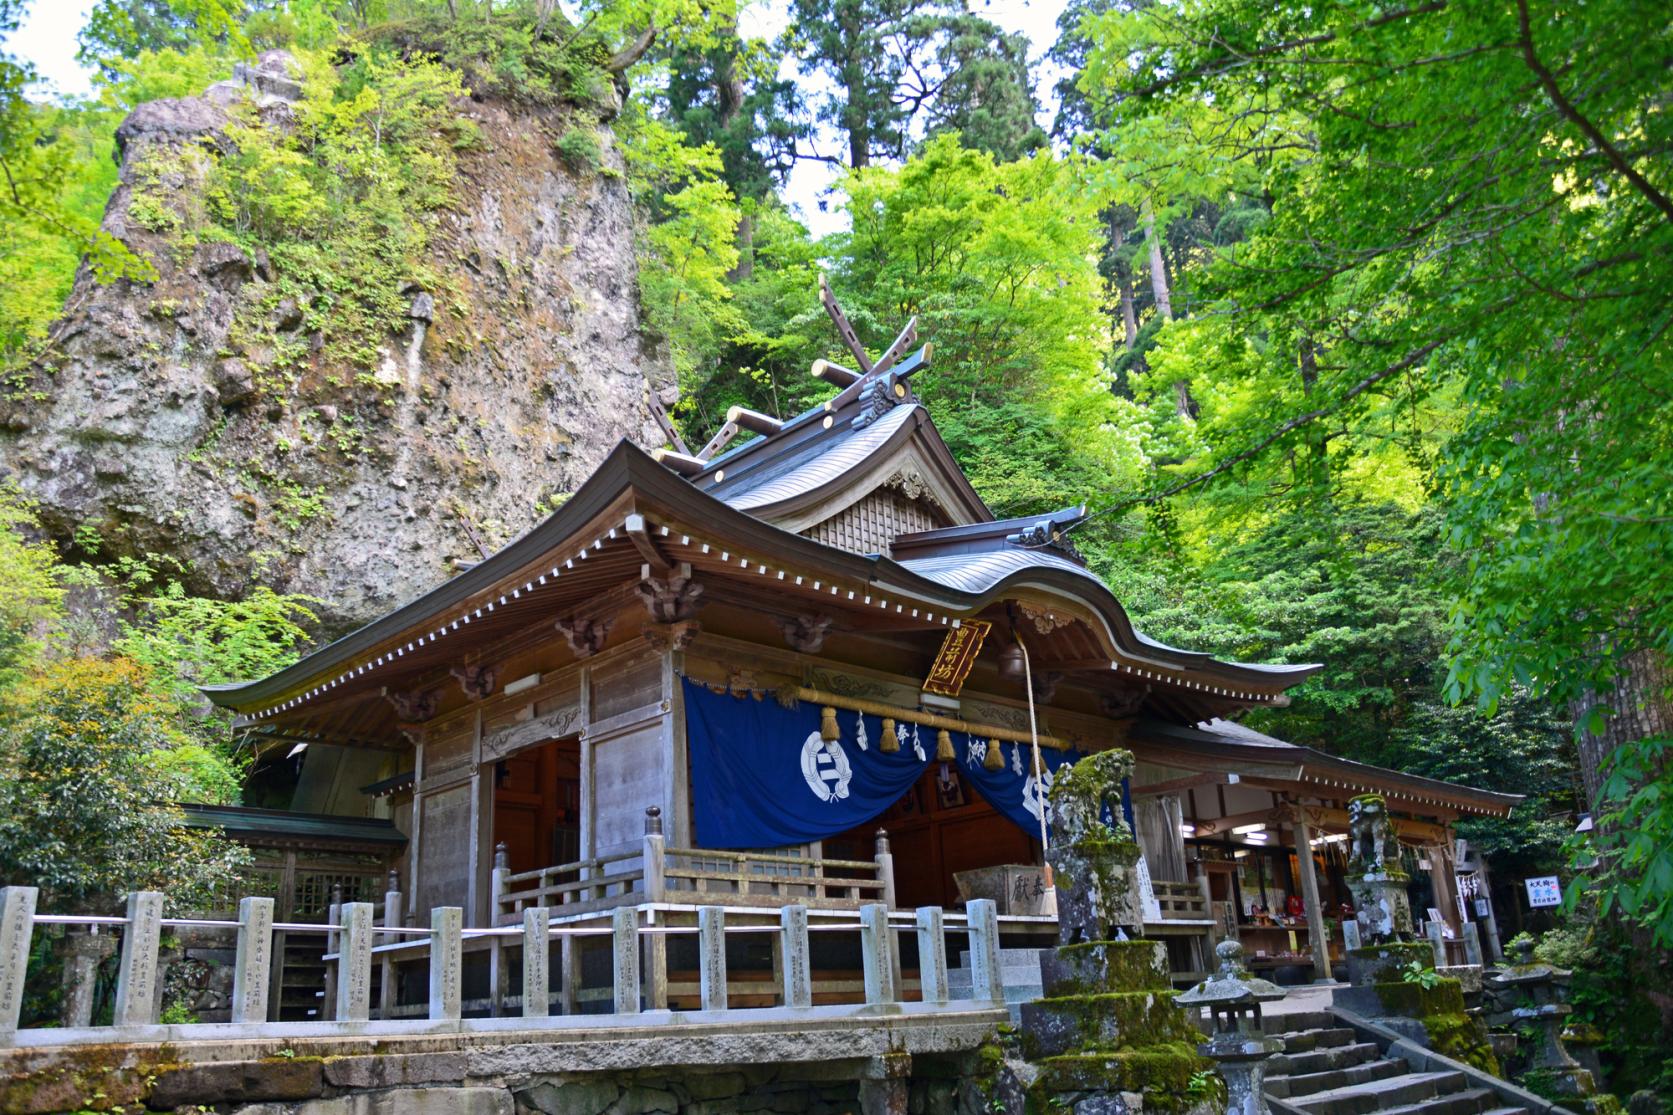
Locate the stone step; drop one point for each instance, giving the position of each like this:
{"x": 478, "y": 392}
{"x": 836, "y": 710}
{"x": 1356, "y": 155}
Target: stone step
{"x": 1403, "y": 1091}
{"x": 1505, "y": 1111}
{"x": 1303, "y": 1041}
{"x": 1276, "y": 1025}
{"x": 1469, "y": 1101}
{"x": 1322, "y": 1060}
{"x": 1307, "y": 1083}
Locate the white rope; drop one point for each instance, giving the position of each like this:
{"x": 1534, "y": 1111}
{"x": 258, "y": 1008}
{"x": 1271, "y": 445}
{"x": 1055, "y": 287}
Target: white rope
{"x": 1039, "y": 763}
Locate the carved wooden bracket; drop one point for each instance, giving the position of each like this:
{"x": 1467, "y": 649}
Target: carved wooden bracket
{"x": 415, "y": 705}
{"x": 477, "y": 682}
{"x": 585, "y": 636}
{"x": 1119, "y": 706}
{"x": 671, "y": 636}
{"x": 673, "y": 598}
{"x": 1045, "y": 685}
{"x": 805, "y": 633}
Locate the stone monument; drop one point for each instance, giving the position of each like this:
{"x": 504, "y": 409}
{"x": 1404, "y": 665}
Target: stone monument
{"x": 1237, "y": 1045}
{"x": 1528, "y": 992}
{"x": 1106, "y": 1032}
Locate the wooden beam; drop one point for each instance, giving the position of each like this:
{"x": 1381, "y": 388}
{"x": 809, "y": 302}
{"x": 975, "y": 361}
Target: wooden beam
{"x": 682, "y": 463}
{"x": 640, "y": 536}
{"x": 844, "y": 330}
{"x": 754, "y": 421}
{"x": 723, "y": 435}
{"x": 834, "y": 374}
{"x": 1180, "y": 785}
{"x": 896, "y": 348}
{"x": 659, "y": 412}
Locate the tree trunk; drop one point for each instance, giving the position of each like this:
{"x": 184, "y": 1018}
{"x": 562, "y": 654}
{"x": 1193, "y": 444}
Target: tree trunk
{"x": 1129, "y": 315}
{"x": 1639, "y": 709}
{"x": 1158, "y": 264}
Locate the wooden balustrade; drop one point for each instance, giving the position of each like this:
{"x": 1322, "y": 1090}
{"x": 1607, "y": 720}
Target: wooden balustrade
{"x": 353, "y": 930}
{"x": 1181, "y": 901}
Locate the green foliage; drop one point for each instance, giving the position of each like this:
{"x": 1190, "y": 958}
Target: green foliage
{"x": 86, "y": 809}
{"x": 188, "y": 641}
{"x": 126, "y": 28}
{"x": 1503, "y": 312}
{"x": 1426, "y": 978}
{"x": 31, "y": 592}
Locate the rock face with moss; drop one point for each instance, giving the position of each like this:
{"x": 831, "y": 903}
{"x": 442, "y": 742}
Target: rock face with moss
{"x": 1106, "y": 1037}
{"x": 394, "y": 320}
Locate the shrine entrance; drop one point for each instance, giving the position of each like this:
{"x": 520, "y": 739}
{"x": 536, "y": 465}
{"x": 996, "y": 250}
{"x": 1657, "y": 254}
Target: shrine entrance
{"x": 938, "y": 827}
{"x": 537, "y": 805}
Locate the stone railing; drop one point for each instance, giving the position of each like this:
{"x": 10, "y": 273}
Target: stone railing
{"x": 1182, "y": 901}
{"x": 353, "y": 931}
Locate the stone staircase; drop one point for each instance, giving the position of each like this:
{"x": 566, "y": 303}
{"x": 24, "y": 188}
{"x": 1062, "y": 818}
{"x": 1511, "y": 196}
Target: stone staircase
{"x": 1326, "y": 1069}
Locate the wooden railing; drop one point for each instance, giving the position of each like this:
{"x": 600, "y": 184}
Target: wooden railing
{"x": 440, "y": 946}
{"x": 657, "y": 873}
{"x": 1182, "y": 901}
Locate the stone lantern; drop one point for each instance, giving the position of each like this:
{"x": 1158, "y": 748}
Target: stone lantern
{"x": 1530, "y": 993}
{"x": 1233, "y": 998}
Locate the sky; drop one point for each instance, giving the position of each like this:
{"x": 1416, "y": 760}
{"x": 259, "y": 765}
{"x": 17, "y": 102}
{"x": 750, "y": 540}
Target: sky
{"x": 47, "y": 38}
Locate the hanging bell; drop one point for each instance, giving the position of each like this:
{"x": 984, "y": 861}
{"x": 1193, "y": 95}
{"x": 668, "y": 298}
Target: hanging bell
{"x": 890, "y": 744}
{"x": 993, "y": 760}
{"x": 828, "y": 725}
{"x": 944, "y": 747}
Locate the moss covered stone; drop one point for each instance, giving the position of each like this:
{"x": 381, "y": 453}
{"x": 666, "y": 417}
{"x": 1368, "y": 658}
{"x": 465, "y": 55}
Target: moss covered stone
{"x": 1171, "y": 1077}
{"x": 1451, "y": 1031}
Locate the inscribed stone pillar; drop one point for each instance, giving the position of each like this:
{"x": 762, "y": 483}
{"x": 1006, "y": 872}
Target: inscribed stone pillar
{"x": 1350, "y": 935}
{"x": 932, "y": 954}
{"x": 798, "y": 965}
{"x": 537, "y": 980}
{"x": 446, "y": 924}
{"x": 136, "y": 980}
{"x": 252, "y": 960}
{"x": 1437, "y": 941}
{"x": 17, "y": 925}
{"x": 1472, "y": 944}
{"x": 876, "y": 953}
{"x": 987, "y": 981}
{"x": 711, "y": 957}
{"x": 624, "y": 938}
{"x": 354, "y": 962}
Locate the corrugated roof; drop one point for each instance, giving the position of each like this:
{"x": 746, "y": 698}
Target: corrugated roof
{"x": 280, "y": 826}
{"x": 814, "y": 465}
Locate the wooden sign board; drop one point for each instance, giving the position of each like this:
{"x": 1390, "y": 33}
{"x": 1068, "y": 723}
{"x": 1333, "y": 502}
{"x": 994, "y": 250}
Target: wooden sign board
{"x": 957, "y": 655}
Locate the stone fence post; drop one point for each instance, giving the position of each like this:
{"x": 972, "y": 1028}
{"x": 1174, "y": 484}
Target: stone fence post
{"x": 136, "y": 980}
{"x": 877, "y": 954}
{"x": 624, "y": 937}
{"x": 932, "y": 954}
{"x": 711, "y": 957}
{"x": 17, "y": 925}
{"x": 253, "y": 959}
{"x": 446, "y": 925}
{"x": 537, "y": 978}
{"x": 354, "y": 963}
{"x": 987, "y": 979}
{"x": 1437, "y": 941}
{"x": 798, "y": 965}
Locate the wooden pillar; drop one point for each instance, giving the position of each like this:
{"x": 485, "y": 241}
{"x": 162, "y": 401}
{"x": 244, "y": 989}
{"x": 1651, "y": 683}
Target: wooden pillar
{"x": 656, "y": 944}
{"x": 481, "y": 835}
{"x": 1443, "y": 882}
{"x": 1310, "y": 896}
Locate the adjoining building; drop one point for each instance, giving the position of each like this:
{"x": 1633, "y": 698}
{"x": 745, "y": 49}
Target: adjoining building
{"x": 774, "y": 655}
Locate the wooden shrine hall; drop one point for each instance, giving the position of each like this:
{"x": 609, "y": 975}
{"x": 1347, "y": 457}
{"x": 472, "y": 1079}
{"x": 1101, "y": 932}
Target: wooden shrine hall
{"x": 810, "y": 666}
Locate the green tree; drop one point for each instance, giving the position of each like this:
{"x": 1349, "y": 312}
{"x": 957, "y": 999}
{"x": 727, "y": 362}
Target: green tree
{"x": 1515, "y": 255}
{"x": 91, "y": 764}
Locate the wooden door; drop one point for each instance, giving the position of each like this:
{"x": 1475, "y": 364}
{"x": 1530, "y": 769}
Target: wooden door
{"x": 537, "y": 805}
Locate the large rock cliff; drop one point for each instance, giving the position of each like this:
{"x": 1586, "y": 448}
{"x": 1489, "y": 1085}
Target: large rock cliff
{"x": 206, "y": 415}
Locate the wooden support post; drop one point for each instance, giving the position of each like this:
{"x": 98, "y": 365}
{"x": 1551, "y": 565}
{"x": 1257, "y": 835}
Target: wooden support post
{"x": 932, "y": 955}
{"x": 987, "y": 980}
{"x": 1310, "y": 896}
{"x": 656, "y": 944}
{"x": 624, "y": 930}
{"x": 877, "y": 954}
{"x": 446, "y": 939}
{"x": 333, "y": 943}
{"x": 711, "y": 957}
{"x": 354, "y": 963}
{"x": 17, "y": 925}
{"x": 252, "y": 960}
{"x": 798, "y": 965}
{"x": 886, "y": 875}
{"x": 497, "y": 888}
{"x": 136, "y": 980}
{"x": 537, "y": 943}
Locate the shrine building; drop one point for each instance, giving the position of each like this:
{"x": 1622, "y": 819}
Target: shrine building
{"x": 810, "y": 666}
